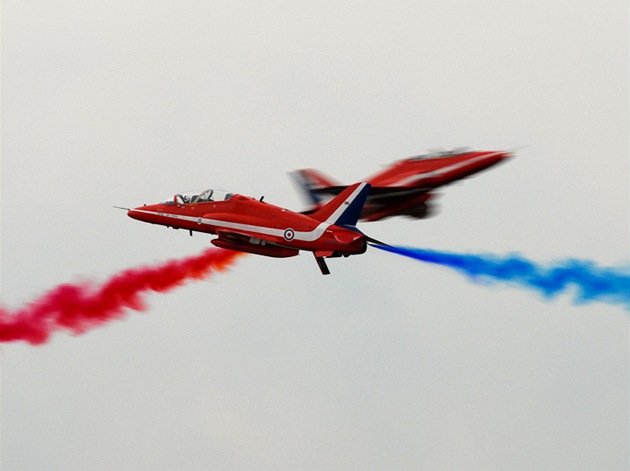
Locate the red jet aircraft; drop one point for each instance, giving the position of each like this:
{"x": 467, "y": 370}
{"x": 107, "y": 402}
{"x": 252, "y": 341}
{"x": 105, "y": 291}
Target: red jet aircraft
{"x": 249, "y": 225}
{"x": 404, "y": 188}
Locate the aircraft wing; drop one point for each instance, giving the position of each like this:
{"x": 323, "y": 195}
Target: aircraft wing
{"x": 388, "y": 202}
{"x": 234, "y": 235}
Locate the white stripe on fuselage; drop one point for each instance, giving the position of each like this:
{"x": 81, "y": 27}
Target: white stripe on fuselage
{"x": 422, "y": 176}
{"x": 306, "y": 236}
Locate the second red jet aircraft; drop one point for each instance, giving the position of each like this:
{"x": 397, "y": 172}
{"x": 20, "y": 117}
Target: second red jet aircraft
{"x": 405, "y": 187}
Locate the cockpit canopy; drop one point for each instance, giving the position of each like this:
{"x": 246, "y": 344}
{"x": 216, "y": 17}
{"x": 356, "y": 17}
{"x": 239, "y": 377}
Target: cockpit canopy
{"x": 441, "y": 154}
{"x": 192, "y": 197}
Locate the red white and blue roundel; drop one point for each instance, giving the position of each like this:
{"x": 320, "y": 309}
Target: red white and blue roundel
{"x": 289, "y": 234}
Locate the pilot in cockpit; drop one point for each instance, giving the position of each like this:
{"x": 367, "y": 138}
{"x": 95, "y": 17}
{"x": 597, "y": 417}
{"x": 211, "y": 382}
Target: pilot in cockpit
{"x": 193, "y": 197}
{"x": 206, "y": 196}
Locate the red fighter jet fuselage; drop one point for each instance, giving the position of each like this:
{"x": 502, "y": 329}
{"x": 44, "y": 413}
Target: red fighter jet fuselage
{"x": 249, "y": 225}
{"x": 405, "y": 187}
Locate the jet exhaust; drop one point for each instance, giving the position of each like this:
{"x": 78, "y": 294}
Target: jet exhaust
{"x": 592, "y": 283}
{"x": 79, "y": 307}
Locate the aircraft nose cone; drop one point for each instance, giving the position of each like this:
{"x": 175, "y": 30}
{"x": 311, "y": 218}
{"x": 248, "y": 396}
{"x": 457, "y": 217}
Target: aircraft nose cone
{"x": 497, "y": 157}
{"x": 135, "y": 214}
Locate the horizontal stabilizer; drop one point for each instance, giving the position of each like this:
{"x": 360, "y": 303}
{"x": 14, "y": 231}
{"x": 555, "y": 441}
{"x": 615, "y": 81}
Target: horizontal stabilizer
{"x": 315, "y": 186}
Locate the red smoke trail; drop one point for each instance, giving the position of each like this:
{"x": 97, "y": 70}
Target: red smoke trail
{"x": 82, "y": 306}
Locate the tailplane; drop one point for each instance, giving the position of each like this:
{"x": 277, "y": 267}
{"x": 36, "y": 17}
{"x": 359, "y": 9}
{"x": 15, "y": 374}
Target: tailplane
{"x": 316, "y": 187}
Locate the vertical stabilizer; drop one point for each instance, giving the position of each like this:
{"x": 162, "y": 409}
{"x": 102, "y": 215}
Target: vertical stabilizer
{"x": 345, "y": 208}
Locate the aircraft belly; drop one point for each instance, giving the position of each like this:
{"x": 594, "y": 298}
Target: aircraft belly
{"x": 259, "y": 247}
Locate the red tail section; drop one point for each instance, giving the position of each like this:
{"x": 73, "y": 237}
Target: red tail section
{"x": 345, "y": 208}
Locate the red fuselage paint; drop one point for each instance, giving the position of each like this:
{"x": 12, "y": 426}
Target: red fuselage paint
{"x": 249, "y": 225}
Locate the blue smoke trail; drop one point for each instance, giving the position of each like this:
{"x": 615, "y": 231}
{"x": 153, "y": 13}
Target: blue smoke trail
{"x": 593, "y": 283}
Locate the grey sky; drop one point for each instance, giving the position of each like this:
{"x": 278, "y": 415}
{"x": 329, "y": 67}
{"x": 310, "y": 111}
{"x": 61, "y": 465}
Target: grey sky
{"x": 385, "y": 364}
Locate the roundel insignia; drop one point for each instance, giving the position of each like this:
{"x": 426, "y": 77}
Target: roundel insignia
{"x": 199, "y": 221}
{"x": 289, "y": 234}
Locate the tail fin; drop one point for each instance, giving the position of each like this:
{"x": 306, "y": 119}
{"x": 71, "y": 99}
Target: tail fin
{"x": 344, "y": 209}
{"x": 316, "y": 186}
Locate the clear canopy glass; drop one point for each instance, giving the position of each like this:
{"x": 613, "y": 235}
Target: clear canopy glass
{"x": 442, "y": 153}
{"x": 195, "y": 196}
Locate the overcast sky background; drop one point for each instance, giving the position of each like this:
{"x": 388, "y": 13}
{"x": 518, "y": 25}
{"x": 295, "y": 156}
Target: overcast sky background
{"x": 386, "y": 364}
